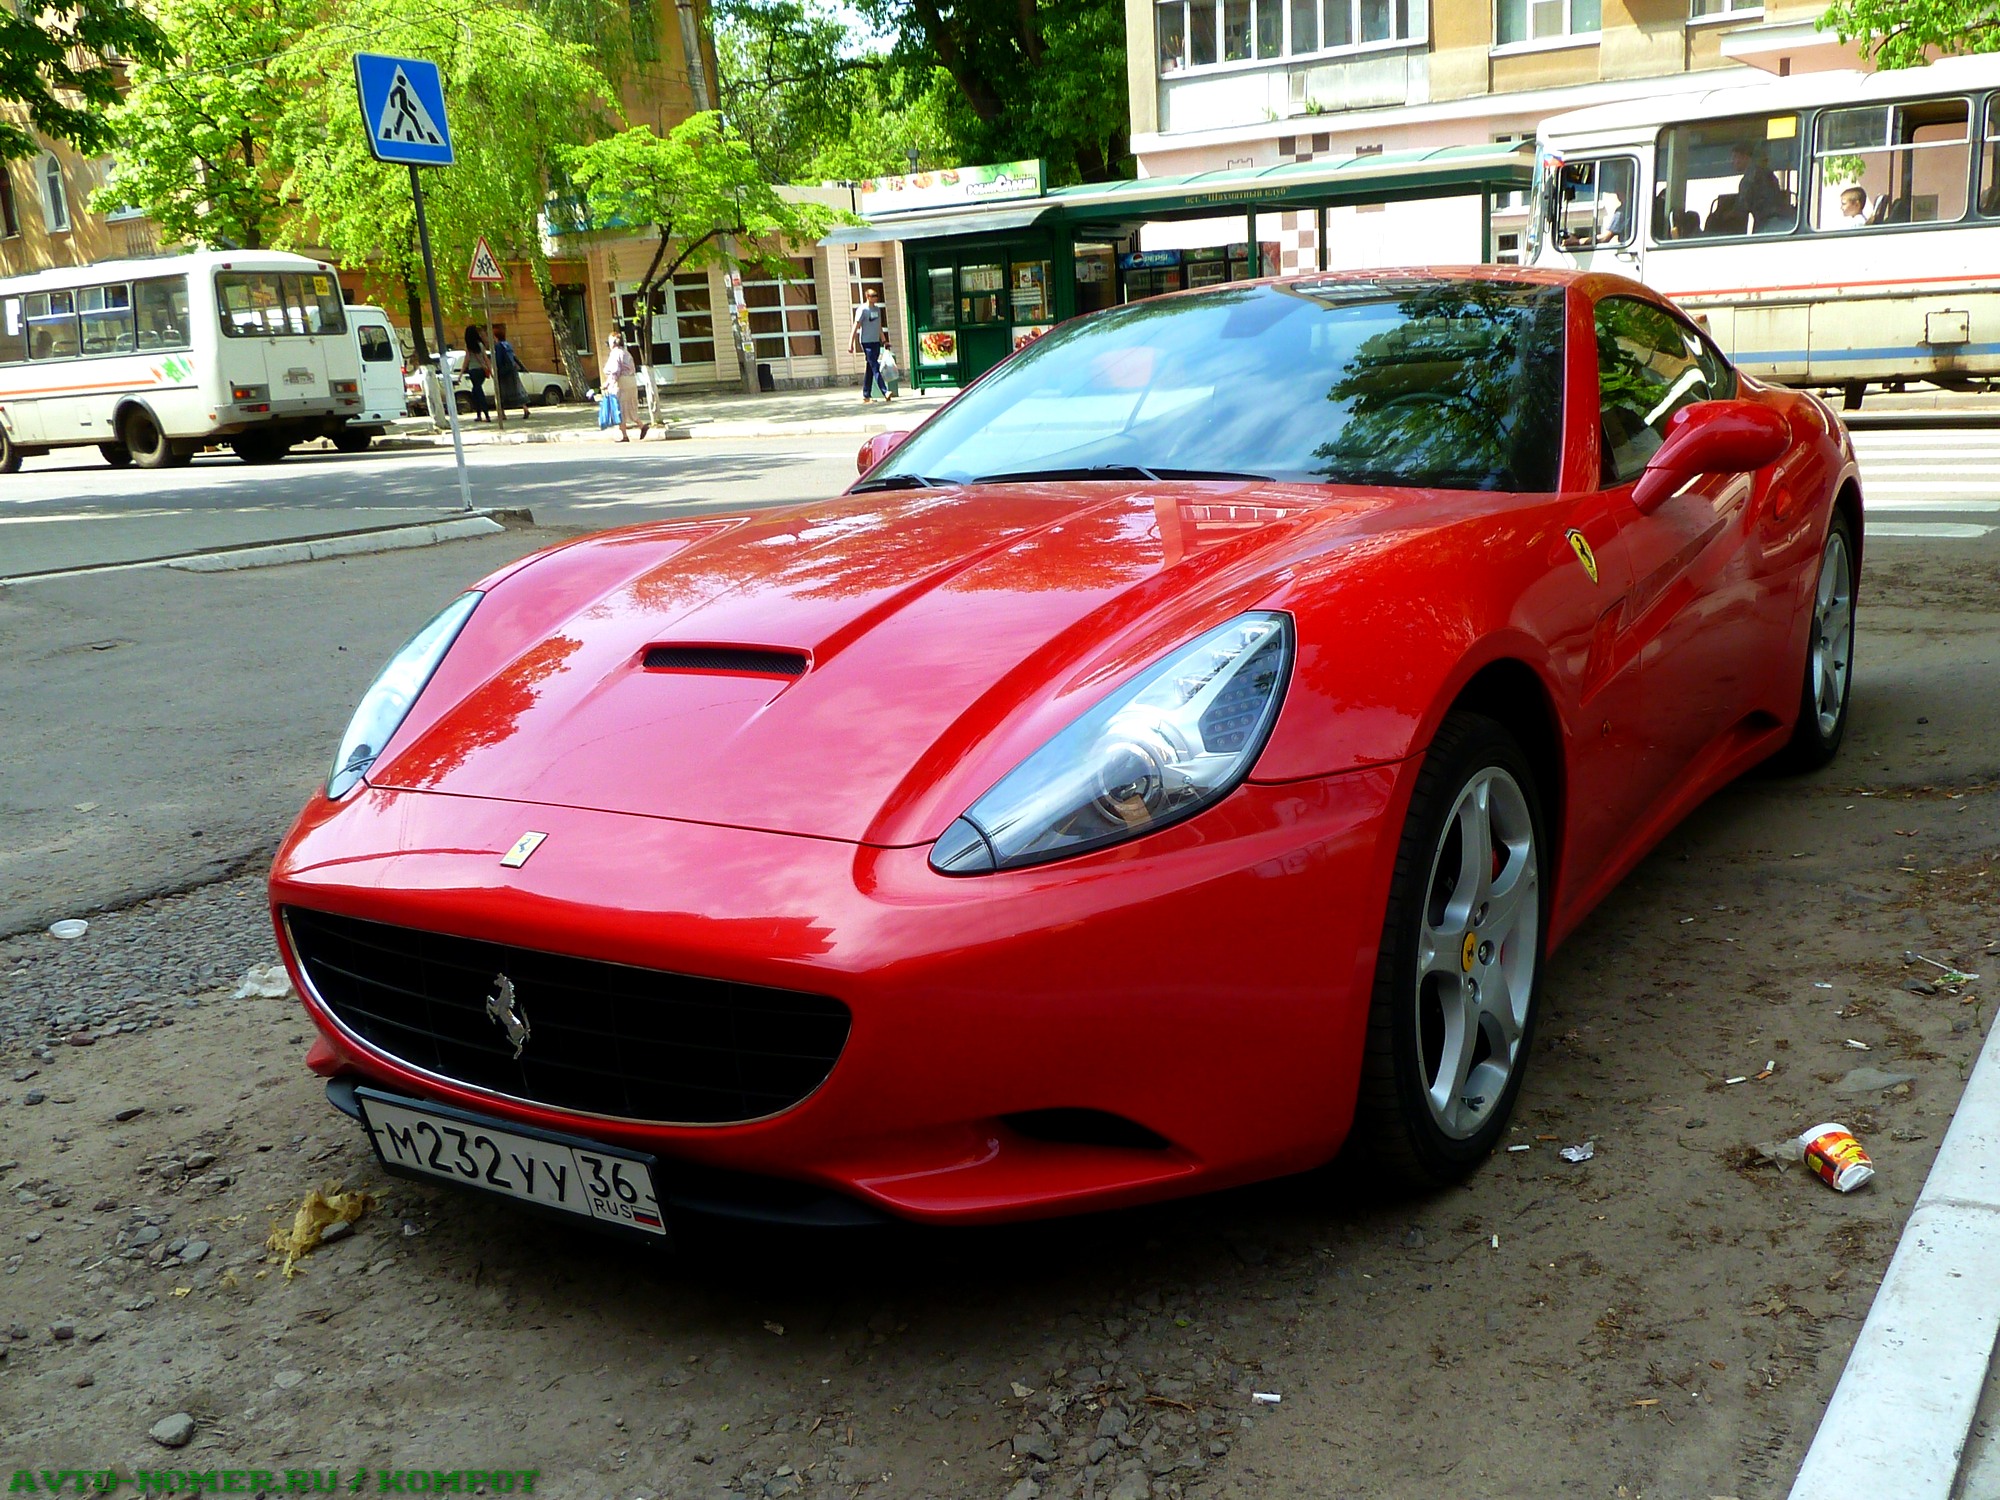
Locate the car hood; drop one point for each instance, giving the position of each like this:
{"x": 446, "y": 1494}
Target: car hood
{"x": 915, "y": 646}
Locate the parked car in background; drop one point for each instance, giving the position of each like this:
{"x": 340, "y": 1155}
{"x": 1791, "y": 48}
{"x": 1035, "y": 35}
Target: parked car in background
{"x": 382, "y": 377}
{"x": 543, "y": 387}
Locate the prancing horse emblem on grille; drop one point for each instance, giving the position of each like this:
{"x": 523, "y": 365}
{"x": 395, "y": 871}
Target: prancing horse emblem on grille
{"x": 506, "y": 1013}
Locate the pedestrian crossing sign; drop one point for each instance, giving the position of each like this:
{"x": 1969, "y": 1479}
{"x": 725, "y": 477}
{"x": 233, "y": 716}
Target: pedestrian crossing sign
{"x": 402, "y": 109}
{"x": 484, "y": 266}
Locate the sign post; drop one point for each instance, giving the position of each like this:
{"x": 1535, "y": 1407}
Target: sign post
{"x": 485, "y": 272}
{"x": 402, "y": 110}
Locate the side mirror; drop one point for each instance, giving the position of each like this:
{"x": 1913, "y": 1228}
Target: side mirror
{"x": 876, "y": 449}
{"x": 1711, "y": 437}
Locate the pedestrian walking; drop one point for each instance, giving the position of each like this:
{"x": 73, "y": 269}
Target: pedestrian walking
{"x": 622, "y": 373}
{"x": 477, "y": 368}
{"x": 869, "y": 338}
{"x": 507, "y": 387}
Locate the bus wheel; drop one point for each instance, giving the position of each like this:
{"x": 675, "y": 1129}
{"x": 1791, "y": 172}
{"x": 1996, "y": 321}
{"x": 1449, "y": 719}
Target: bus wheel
{"x": 144, "y": 440}
{"x": 10, "y": 455}
{"x": 260, "y": 448}
{"x": 353, "y": 442}
{"x": 115, "y": 454}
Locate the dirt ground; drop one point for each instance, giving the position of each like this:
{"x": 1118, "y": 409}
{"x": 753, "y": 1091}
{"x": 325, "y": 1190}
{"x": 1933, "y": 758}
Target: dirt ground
{"x": 1666, "y": 1319}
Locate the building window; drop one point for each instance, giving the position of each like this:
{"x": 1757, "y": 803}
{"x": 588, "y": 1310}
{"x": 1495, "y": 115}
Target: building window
{"x": 1708, "y": 10}
{"x": 1517, "y": 21}
{"x": 10, "y": 216}
{"x": 784, "y": 314}
{"x": 55, "y": 198}
{"x": 1197, "y": 33}
{"x": 107, "y": 177}
{"x": 683, "y": 326}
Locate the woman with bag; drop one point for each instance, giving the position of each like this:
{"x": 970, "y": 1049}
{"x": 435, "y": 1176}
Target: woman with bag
{"x": 622, "y": 375}
{"x": 507, "y": 387}
{"x": 476, "y": 370}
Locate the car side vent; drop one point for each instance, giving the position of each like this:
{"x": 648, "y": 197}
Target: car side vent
{"x": 761, "y": 660}
{"x": 1086, "y": 1127}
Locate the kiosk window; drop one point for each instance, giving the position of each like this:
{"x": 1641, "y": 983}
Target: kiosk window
{"x": 982, "y": 294}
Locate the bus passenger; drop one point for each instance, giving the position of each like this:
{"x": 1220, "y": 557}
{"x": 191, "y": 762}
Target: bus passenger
{"x": 1853, "y": 209}
{"x": 1757, "y": 190}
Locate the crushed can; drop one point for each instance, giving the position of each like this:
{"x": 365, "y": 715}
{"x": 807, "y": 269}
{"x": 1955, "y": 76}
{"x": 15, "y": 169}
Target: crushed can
{"x": 1834, "y": 1156}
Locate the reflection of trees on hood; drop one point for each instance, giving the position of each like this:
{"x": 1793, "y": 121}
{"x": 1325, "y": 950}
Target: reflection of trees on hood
{"x": 1464, "y": 392}
{"x": 487, "y": 716}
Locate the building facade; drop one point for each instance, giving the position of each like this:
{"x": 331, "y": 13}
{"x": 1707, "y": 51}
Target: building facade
{"x": 1218, "y": 84}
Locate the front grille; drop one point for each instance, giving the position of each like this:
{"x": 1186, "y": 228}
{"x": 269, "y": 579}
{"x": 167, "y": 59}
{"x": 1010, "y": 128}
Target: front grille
{"x": 603, "y": 1038}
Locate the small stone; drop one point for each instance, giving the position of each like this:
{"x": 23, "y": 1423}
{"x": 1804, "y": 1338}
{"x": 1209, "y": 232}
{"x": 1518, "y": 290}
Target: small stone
{"x": 335, "y": 1232}
{"x": 1027, "y": 1489}
{"x": 196, "y": 1160}
{"x": 1413, "y": 1238}
{"x": 286, "y": 1379}
{"x": 170, "y": 1171}
{"x": 81, "y": 1039}
{"x": 1217, "y": 1448}
{"x": 1920, "y": 987}
{"x": 62, "y": 1332}
{"x": 85, "y": 1381}
{"x": 146, "y": 1234}
{"x": 33, "y": 1096}
{"x": 1094, "y": 1454}
{"x": 192, "y": 1251}
{"x": 103, "y": 1205}
{"x": 130, "y": 1112}
{"x": 1035, "y": 1445}
{"x": 172, "y": 1432}
{"x": 33, "y": 1235}
{"x": 22, "y": 1075}
{"x": 1131, "y": 1487}
{"x": 1112, "y": 1423}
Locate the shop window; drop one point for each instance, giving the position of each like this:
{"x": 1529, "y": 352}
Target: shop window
{"x": 1727, "y": 178}
{"x": 1891, "y": 164}
{"x": 784, "y": 313}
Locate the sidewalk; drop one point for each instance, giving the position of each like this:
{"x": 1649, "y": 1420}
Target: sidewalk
{"x": 703, "y": 414}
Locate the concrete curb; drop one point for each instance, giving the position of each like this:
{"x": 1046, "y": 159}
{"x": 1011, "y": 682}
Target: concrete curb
{"x": 307, "y": 549}
{"x": 1899, "y": 1419}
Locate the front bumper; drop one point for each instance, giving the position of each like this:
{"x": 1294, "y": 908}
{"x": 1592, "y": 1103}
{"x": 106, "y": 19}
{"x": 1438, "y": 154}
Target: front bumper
{"x": 1208, "y": 983}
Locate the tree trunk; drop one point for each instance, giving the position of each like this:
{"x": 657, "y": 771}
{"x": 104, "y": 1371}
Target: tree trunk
{"x": 418, "y": 342}
{"x": 645, "y": 356}
{"x": 567, "y": 338}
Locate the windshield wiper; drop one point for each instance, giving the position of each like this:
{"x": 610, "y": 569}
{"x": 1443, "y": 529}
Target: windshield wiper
{"x": 1113, "y": 471}
{"x": 900, "y": 482}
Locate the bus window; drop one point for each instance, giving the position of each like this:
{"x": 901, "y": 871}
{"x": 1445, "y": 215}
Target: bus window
{"x": 107, "y": 319}
{"x": 13, "y": 332}
{"x": 320, "y": 297}
{"x": 264, "y": 304}
{"x": 161, "y": 305}
{"x": 52, "y": 332}
{"x": 1729, "y": 177}
{"x": 1891, "y": 164}
{"x": 1989, "y": 171}
{"x": 1596, "y": 202}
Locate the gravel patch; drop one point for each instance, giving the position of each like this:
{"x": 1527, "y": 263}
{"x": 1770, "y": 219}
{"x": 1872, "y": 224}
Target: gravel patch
{"x": 134, "y": 968}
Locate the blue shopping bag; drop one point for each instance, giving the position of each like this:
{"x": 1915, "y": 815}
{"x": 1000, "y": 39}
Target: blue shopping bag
{"x": 607, "y": 410}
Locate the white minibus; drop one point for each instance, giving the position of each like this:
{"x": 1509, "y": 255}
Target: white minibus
{"x": 151, "y": 360}
{"x": 1836, "y": 230}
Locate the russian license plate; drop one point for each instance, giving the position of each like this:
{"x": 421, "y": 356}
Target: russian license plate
{"x": 298, "y": 375}
{"x": 595, "y": 1182}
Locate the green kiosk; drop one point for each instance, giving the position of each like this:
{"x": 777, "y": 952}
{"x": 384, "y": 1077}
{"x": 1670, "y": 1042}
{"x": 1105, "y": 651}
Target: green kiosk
{"x": 993, "y": 258}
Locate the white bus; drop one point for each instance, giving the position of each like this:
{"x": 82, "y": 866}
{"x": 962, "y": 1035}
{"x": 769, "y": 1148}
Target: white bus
{"x": 1834, "y": 230}
{"x": 151, "y": 360}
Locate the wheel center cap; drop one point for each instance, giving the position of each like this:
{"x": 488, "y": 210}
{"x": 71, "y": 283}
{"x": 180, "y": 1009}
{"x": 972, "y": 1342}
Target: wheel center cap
{"x": 1468, "y": 954}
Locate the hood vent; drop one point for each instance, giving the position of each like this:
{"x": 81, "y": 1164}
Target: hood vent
{"x": 761, "y": 661}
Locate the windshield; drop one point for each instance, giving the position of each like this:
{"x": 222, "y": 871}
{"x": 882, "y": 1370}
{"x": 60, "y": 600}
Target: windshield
{"x": 1453, "y": 384}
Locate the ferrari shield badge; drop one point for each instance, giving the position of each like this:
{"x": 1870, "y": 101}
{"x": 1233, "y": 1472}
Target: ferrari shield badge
{"x": 1578, "y": 544}
{"x": 504, "y": 1010}
{"x": 530, "y": 841}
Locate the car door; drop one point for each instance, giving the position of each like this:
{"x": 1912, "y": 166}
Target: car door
{"x": 1692, "y": 612}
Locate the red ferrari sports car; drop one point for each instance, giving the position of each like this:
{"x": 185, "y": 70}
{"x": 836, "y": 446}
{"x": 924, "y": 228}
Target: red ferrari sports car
{"x": 1173, "y": 761}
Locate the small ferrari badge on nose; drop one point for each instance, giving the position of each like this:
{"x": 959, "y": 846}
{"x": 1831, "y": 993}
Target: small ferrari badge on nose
{"x": 525, "y": 845}
{"x": 1581, "y": 547}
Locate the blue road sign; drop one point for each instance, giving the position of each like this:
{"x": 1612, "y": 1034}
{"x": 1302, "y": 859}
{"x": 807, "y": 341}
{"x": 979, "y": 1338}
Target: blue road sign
{"x": 402, "y": 109}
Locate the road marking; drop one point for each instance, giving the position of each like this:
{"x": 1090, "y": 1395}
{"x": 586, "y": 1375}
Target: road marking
{"x": 1939, "y": 531}
{"x": 1870, "y": 501}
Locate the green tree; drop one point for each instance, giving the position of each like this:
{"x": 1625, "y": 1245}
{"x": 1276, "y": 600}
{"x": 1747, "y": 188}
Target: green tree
{"x": 1906, "y": 33}
{"x": 701, "y": 192}
{"x": 516, "y": 94}
{"x": 194, "y": 131}
{"x": 55, "y": 70}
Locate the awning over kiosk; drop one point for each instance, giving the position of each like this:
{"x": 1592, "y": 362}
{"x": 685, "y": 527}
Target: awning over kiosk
{"x": 973, "y": 220}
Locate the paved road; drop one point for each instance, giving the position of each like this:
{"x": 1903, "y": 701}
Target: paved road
{"x": 72, "y": 511}
{"x": 1931, "y": 485}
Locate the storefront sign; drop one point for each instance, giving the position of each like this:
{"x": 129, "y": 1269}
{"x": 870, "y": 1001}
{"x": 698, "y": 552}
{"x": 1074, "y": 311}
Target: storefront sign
{"x": 950, "y": 186}
{"x": 937, "y": 348}
{"x": 1149, "y": 260}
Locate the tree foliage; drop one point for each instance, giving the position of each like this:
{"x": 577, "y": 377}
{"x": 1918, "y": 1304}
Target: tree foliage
{"x": 56, "y": 67}
{"x": 702, "y": 193}
{"x": 1908, "y": 33}
{"x": 194, "y": 131}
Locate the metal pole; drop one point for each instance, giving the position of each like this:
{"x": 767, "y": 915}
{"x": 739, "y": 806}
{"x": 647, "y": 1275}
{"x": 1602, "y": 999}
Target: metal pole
{"x": 443, "y": 353}
{"x": 486, "y": 312}
{"x": 1485, "y": 226}
{"x": 1321, "y": 212}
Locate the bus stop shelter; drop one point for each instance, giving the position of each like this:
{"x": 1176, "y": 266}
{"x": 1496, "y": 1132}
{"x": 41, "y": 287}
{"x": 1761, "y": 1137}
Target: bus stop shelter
{"x": 984, "y": 278}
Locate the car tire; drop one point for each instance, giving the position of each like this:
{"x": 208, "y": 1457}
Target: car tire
{"x": 1827, "y": 681}
{"x": 259, "y": 448}
{"x": 552, "y": 395}
{"x": 141, "y": 437}
{"x": 353, "y": 442}
{"x": 10, "y": 454}
{"x": 115, "y": 454}
{"x": 1452, "y": 1018}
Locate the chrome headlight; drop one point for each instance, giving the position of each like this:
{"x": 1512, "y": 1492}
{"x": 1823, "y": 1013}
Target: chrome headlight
{"x": 392, "y": 694}
{"x": 1171, "y": 741}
